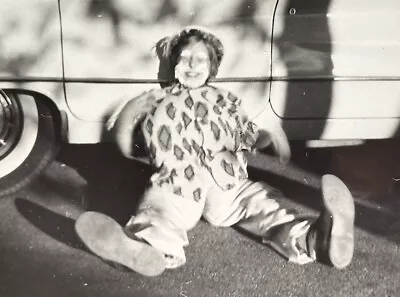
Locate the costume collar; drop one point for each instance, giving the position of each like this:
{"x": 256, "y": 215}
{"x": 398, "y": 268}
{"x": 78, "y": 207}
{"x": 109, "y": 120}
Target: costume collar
{"x": 178, "y": 87}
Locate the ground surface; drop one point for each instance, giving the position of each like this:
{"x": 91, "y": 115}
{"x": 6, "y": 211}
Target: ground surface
{"x": 42, "y": 256}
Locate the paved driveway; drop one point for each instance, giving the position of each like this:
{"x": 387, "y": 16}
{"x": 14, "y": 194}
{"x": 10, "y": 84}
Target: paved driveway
{"x": 41, "y": 255}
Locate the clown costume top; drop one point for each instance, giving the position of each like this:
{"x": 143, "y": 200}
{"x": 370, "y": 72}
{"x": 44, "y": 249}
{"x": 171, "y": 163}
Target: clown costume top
{"x": 192, "y": 132}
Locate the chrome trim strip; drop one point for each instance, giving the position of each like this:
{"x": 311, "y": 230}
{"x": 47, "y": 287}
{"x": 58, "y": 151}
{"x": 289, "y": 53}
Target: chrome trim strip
{"x": 29, "y": 79}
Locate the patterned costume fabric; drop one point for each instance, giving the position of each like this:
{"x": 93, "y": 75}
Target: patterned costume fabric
{"x": 192, "y": 132}
{"x": 195, "y": 140}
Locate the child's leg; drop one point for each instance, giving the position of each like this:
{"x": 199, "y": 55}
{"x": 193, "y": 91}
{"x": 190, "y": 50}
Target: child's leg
{"x": 152, "y": 240}
{"x": 300, "y": 239}
{"x": 106, "y": 239}
{"x": 162, "y": 220}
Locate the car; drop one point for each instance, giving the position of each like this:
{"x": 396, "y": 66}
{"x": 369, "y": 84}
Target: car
{"x": 327, "y": 70}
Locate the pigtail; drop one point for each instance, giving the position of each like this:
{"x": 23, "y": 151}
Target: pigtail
{"x": 166, "y": 73}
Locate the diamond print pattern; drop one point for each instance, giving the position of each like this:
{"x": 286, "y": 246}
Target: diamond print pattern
{"x": 189, "y": 102}
{"x": 238, "y": 123}
{"x": 164, "y": 138}
{"x": 232, "y": 97}
{"x": 186, "y": 119}
{"x": 186, "y": 145}
{"x": 201, "y": 110}
{"x": 232, "y": 109}
{"x": 237, "y": 141}
{"x": 223, "y": 125}
{"x": 230, "y": 186}
{"x": 221, "y": 101}
{"x": 163, "y": 170}
{"x": 149, "y": 127}
{"x": 216, "y": 130}
{"x": 210, "y": 155}
{"x": 197, "y": 195}
{"x": 172, "y": 175}
{"x": 152, "y": 150}
{"x": 196, "y": 147}
{"x": 178, "y": 93}
{"x": 179, "y": 128}
{"x": 178, "y": 152}
{"x": 189, "y": 173}
{"x": 202, "y": 156}
{"x": 178, "y": 191}
{"x": 197, "y": 126}
{"x": 227, "y": 167}
{"x": 171, "y": 110}
{"x": 217, "y": 110}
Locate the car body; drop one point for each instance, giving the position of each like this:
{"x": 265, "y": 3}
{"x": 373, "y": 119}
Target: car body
{"x": 328, "y": 70}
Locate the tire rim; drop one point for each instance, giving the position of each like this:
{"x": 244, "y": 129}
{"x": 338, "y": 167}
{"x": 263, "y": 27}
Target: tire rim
{"x": 11, "y": 124}
{"x": 17, "y": 147}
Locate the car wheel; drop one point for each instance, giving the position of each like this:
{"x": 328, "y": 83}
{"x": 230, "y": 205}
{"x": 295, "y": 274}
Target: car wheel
{"x": 28, "y": 140}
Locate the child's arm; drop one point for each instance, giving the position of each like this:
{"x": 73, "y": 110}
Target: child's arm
{"x": 277, "y": 136}
{"x": 246, "y": 131}
{"x": 261, "y": 137}
{"x": 125, "y": 120}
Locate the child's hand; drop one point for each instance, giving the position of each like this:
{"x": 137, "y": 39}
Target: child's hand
{"x": 125, "y": 120}
{"x": 263, "y": 140}
{"x": 277, "y": 136}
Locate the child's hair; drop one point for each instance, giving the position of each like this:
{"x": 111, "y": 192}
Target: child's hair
{"x": 169, "y": 49}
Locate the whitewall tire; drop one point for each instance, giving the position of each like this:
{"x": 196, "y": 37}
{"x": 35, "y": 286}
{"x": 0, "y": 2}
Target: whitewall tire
{"x": 28, "y": 139}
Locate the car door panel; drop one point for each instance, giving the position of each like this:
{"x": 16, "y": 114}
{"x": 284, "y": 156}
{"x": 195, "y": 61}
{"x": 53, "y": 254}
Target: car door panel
{"x": 336, "y": 59}
{"x": 112, "y": 43}
{"x": 30, "y": 51}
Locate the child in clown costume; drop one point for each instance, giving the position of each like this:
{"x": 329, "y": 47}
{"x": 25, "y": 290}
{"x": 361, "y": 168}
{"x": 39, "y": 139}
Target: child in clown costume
{"x": 195, "y": 135}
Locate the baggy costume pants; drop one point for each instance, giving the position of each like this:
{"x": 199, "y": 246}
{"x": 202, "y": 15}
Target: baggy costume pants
{"x": 164, "y": 218}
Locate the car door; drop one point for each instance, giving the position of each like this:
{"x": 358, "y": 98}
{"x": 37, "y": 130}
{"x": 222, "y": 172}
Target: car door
{"x": 336, "y": 68}
{"x": 31, "y": 90}
{"x": 109, "y": 53}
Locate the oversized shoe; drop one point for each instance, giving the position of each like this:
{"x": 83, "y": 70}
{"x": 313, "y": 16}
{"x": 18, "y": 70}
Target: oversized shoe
{"x": 106, "y": 239}
{"x": 331, "y": 236}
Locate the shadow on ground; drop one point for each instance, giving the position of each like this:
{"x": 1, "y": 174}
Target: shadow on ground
{"x": 53, "y": 224}
{"x": 114, "y": 185}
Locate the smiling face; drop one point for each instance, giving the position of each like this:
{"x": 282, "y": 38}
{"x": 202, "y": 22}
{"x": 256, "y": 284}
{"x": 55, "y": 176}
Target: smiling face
{"x": 193, "y": 67}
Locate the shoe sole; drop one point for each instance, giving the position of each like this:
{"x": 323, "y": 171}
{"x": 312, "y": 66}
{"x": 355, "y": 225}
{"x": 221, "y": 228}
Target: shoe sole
{"x": 105, "y": 238}
{"x": 339, "y": 203}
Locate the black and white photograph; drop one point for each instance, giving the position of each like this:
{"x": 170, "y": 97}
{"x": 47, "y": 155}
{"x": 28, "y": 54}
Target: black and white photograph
{"x": 190, "y": 148}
